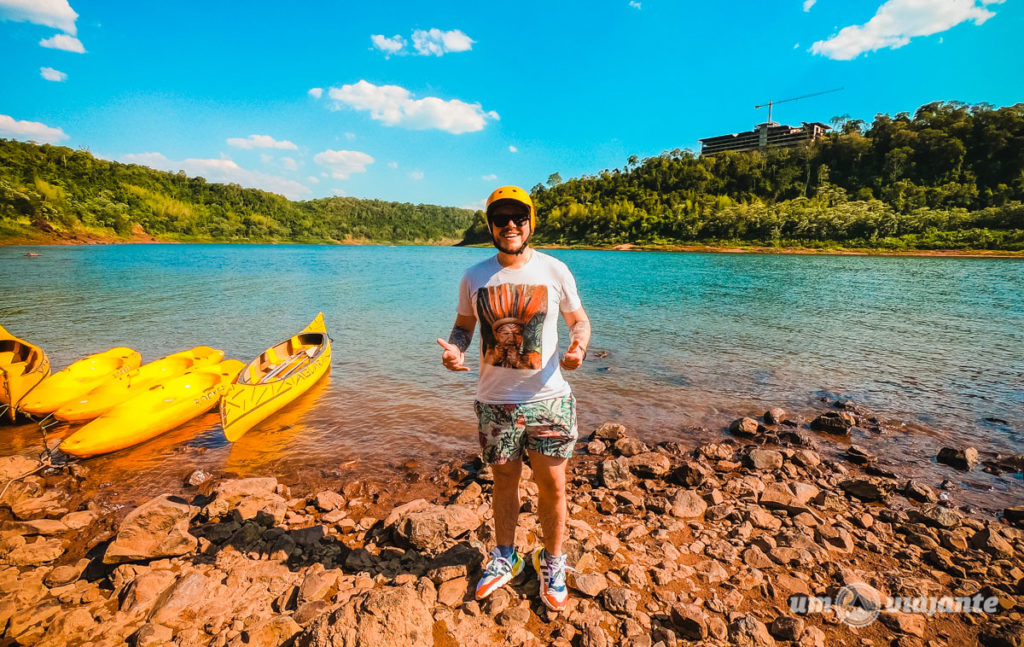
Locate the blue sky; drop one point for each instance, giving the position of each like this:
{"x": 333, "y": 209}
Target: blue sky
{"x": 442, "y": 102}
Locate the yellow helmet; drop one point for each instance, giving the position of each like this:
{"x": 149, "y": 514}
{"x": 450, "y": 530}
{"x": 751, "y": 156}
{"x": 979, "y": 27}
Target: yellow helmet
{"x": 513, "y": 193}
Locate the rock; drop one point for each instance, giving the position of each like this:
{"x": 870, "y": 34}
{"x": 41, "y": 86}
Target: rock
{"x": 231, "y": 493}
{"x": 197, "y": 478}
{"x": 691, "y": 474}
{"x": 48, "y": 504}
{"x": 453, "y": 592}
{"x": 936, "y": 516}
{"x": 919, "y": 492}
{"x": 687, "y": 504}
{"x": 152, "y": 635}
{"x": 307, "y": 612}
{"x": 516, "y": 616}
{"x": 327, "y": 501}
{"x": 615, "y": 473}
{"x": 834, "y": 422}
{"x": 429, "y": 526}
{"x": 610, "y": 432}
{"x": 176, "y": 608}
{"x": 157, "y": 528}
{"x": 596, "y": 448}
{"x": 764, "y": 459}
{"x": 142, "y": 593}
{"x": 1010, "y": 635}
{"x": 271, "y": 632}
{"x": 690, "y": 621}
{"x": 859, "y": 455}
{"x": 774, "y": 416}
{"x": 589, "y": 584}
{"x": 990, "y": 541}
{"x": 787, "y": 628}
{"x": 961, "y": 459}
{"x": 650, "y": 465}
{"x": 64, "y": 575}
{"x": 317, "y": 586}
{"x": 619, "y": 600}
{"x": 630, "y": 447}
{"x": 748, "y": 631}
{"x": 745, "y": 427}
{"x": 390, "y": 616}
{"x": 45, "y": 527}
{"x": 806, "y": 458}
{"x": 869, "y": 489}
{"x": 905, "y": 623}
{"x": 41, "y": 551}
{"x": 78, "y": 520}
{"x": 12, "y": 467}
{"x": 1015, "y": 515}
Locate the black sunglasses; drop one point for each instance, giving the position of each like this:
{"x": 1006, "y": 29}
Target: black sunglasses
{"x": 502, "y": 219}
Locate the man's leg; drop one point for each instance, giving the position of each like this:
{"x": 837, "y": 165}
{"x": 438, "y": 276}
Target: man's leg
{"x": 549, "y": 474}
{"x": 505, "y": 501}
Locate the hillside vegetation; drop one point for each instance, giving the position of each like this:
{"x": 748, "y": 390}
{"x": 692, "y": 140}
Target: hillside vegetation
{"x": 59, "y": 190}
{"x": 949, "y": 177}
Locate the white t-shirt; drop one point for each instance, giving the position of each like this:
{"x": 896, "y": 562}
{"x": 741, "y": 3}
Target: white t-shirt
{"x": 518, "y": 314}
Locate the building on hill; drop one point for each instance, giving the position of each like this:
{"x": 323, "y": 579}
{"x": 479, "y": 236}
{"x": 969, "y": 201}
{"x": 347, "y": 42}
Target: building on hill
{"x": 764, "y": 135}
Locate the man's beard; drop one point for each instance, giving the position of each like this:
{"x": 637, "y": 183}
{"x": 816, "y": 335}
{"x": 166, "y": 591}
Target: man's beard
{"x": 522, "y": 248}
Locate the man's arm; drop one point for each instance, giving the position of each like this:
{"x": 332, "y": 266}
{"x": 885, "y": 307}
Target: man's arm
{"x": 454, "y": 355}
{"x": 579, "y": 336}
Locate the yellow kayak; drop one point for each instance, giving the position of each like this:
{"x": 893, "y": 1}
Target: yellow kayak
{"x": 112, "y": 393}
{"x": 147, "y": 415}
{"x": 275, "y": 378}
{"x": 78, "y": 379}
{"x": 22, "y": 367}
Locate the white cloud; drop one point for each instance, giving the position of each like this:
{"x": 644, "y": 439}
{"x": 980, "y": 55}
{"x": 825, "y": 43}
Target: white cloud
{"x": 290, "y": 164}
{"x": 513, "y": 149}
{"x": 259, "y": 141}
{"x": 50, "y": 13}
{"x": 64, "y": 42}
{"x": 392, "y": 164}
{"x": 313, "y": 179}
{"x": 337, "y": 192}
{"x": 342, "y": 164}
{"x": 350, "y": 136}
{"x": 30, "y": 130}
{"x": 265, "y": 158}
{"x": 416, "y": 175}
{"x": 51, "y": 74}
{"x": 479, "y": 205}
{"x": 897, "y": 21}
{"x": 635, "y": 5}
{"x": 387, "y": 45}
{"x": 221, "y": 170}
{"x": 489, "y": 178}
{"x": 395, "y": 106}
{"x": 808, "y": 4}
{"x": 316, "y": 93}
{"x": 437, "y": 43}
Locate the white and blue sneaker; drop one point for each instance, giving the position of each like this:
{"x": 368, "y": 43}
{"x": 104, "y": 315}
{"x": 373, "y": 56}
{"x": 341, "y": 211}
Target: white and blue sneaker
{"x": 551, "y": 572}
{"x": 499, "y": 572}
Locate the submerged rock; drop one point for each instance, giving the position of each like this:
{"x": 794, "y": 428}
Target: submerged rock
{"x": 834, "y": 422}
{"x": 961, "y": 459}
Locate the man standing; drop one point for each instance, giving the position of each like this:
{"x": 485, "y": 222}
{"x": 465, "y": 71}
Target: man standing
{"x": 522, "y": 402}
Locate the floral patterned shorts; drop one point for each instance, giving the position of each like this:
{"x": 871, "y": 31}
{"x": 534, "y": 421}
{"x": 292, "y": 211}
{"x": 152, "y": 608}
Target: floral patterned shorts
{"x": 547, "y": 427}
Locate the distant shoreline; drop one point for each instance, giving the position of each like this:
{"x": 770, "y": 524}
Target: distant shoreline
{"x": 88, "y": 238}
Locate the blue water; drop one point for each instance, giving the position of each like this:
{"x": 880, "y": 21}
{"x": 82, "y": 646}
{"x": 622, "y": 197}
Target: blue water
{"x": 693, "y": 340}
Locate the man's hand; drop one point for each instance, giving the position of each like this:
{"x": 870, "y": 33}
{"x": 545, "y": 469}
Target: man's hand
{"x": 452, "y": 357}
{"x": 573, "y": 357}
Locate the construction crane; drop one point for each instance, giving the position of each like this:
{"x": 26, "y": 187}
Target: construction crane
{"x": 805, "y": 96}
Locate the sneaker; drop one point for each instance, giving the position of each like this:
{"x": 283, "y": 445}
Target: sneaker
{"x": 551, "y": 572}
{"x": 499, "y": 572}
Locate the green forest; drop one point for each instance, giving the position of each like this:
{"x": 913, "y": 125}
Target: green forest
{"x": 950, "y": 176}
{"x": 57, "y": 189}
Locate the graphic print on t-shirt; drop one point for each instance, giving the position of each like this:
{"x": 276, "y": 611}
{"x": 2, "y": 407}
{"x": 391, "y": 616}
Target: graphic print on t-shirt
{"x": 512, "y": 324}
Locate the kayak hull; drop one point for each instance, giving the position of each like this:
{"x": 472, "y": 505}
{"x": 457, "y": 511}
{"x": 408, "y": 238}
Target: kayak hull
{"x": 275, "y": 379}
{"x": 158, "y": 410}
{"x": 78, "y": 379}
{"x": 108, "y": 395}
{"x": 22, "y": 367}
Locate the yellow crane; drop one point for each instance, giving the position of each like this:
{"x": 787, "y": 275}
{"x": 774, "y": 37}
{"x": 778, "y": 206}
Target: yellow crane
{"x": 771, "y": 103}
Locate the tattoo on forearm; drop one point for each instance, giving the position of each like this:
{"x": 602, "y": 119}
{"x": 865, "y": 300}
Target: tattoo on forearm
{"x": 460, "y": 338}
{"x": 580, "y": 331}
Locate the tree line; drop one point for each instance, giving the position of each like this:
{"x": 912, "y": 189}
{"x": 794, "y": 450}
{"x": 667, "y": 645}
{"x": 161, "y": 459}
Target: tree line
{"x": 949, "y": 177}
{"x": 56, "y": 188}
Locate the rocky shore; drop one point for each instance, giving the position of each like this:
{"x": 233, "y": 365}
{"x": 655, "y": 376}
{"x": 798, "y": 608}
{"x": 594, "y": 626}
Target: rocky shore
{"x": 671, "y": 544}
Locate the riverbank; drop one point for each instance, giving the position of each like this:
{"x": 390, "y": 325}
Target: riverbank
{"x": 89, "y": 237}
{"x": 715, "y": 543}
